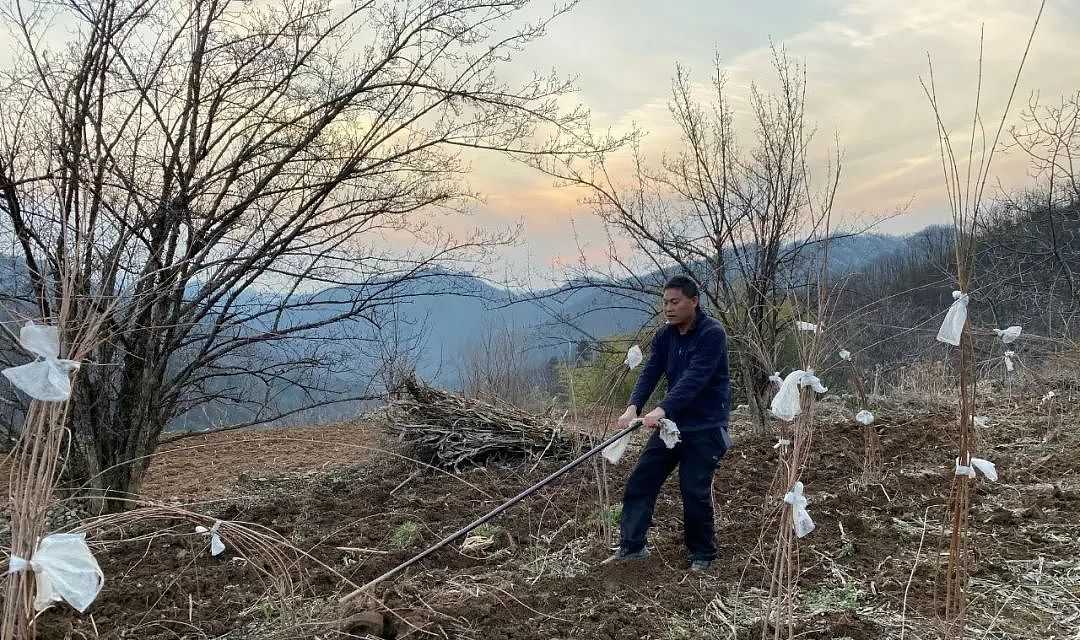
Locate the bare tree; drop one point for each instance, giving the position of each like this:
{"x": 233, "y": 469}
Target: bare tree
{"x": 1049, "y": 135}
{"x": 735, "y": 218}
{"x": 223, "y": 178}
{"x": 397, "y": 350}
{"x": 500, "y": 364}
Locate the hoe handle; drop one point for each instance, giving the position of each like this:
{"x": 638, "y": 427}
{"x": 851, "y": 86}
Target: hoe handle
{"x": 495, "y": 512}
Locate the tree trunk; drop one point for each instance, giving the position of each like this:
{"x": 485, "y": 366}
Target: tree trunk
{"x": 758, "y": 396}
{"x": 119, "y": 481}
{"x": 115, "y": 436}
{"x": 752, "y": 380}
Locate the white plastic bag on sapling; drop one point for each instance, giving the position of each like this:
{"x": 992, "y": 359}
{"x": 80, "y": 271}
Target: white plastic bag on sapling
{"x": 633, "y": 357}
{"x": 953, "y": 325}
{"x": 1009, "y": 334}
{"x": 48, "y": 378}
{"x": 865, "y": 418}
{"x": 812, "y": 381}
{"x": 785, "y": 404}
{"x": 986, "y": 467}
{"x": 64, "y": 569}
{"x": 216, "y": 545}
{"x": 800, "y": 517}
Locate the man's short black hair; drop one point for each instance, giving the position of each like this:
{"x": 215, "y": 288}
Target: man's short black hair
{"x": 685, "y": 284}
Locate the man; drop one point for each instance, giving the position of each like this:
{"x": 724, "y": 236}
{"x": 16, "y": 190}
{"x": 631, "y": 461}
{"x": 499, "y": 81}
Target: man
{"x": 691, "y": 350}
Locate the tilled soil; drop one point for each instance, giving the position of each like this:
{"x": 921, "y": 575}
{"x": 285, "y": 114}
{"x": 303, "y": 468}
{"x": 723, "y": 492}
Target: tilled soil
{"x": 536, "y": 572}
{"x": 217, "y": 464}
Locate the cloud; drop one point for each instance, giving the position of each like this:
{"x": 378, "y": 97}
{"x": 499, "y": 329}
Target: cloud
{"x": 864, "y": 59}
{"x": 863, "y": 82}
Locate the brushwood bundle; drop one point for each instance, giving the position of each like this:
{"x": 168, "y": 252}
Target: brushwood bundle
{"x": 454, "y": 432}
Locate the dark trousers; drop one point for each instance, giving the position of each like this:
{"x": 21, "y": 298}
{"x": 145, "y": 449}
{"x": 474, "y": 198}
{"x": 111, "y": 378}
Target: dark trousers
{"x": 697, "y": 456}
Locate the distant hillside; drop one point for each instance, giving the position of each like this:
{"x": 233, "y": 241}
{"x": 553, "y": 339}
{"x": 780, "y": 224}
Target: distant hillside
{"x": 442, "y": 313}
{"x": 458, "y": 307}
{"x": 1027, "y": 273}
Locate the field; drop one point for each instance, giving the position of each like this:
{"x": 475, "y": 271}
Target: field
{"x": 343, "y": 495}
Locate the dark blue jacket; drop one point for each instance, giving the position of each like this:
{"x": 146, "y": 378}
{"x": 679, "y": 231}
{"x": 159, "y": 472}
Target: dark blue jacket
{"x": 699, "y": 382}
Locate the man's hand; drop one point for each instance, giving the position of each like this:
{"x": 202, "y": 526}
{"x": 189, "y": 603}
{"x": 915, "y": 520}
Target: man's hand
{"x": 652, "y": 419}
{"x": 627, "y": 417}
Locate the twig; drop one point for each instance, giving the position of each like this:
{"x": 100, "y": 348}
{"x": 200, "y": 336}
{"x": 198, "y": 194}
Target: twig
{"x": 911, "y": 577}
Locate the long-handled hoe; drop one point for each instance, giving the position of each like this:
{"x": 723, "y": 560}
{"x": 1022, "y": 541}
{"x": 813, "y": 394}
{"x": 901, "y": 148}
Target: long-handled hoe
{"x": 494, "y": 512}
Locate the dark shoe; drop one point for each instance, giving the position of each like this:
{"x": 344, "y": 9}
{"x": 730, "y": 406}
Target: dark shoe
{"x": 622, "y": 555}
{"x": 697, "y": 566}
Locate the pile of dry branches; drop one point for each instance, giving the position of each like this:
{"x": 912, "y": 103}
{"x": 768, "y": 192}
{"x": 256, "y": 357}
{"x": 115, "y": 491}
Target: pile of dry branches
{"x": 452, "y": 432}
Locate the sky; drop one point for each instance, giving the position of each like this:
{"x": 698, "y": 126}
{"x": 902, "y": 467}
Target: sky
{"x": 863, "y": 60}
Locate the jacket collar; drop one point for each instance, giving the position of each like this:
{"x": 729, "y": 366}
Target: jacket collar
{"x": 698, "y": 317}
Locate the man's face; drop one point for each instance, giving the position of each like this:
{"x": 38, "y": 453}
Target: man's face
{"x": 678, "y": 309}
